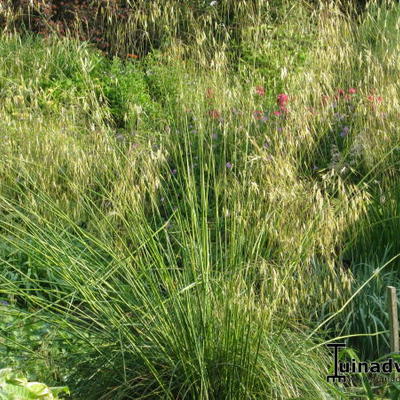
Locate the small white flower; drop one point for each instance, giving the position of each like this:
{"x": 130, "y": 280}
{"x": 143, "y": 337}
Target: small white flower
{"x": 213, "y": 3}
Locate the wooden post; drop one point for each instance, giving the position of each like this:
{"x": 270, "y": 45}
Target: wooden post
{"x": 393, "y": 319}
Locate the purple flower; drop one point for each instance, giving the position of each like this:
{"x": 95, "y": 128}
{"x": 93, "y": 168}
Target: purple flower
{"x": 266, "y": 145}
{"x": 174, "y": 171}
{"x": 4, "y": 303}
{"x": 345, "y": 131}
{"x": 229, "y": 165}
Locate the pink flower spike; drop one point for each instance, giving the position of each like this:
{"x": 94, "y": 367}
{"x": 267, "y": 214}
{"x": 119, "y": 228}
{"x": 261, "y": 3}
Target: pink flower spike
{"x": 352, "y": 91}
{"x": 277, "y": 113}
{"x": 282, "y": 99}
{"x": 260, "y": 91}
{"x": 283, "y": 109}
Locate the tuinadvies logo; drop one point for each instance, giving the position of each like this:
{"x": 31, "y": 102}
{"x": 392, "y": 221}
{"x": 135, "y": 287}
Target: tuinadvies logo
{"x": 353, "y": 366}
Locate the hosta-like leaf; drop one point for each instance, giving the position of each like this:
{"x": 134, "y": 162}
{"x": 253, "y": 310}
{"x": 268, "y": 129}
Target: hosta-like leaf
{"x": 39, "y": 389}
{"x": 19, "y": 392}
{"x": 15, "y": 387}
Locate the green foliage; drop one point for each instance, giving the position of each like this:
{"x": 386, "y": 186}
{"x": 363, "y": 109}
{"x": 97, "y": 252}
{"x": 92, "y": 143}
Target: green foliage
{"x": 125, "y": 88}
{"x": 379, "y": 30}
{"x": 284, "y": 49}
{"x": 78, "y": 78}
{"x": 377, "y": 234}
{"x": 163, "y": 80}
{"x": 29, "y": 344}
{"x": 14, "y": 386}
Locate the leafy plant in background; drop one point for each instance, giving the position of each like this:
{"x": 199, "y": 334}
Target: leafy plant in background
{"x": 30, "y": 345}
{"x": 125, "y": 88}
{"x": 285, "y": 50}
{"x": 14, "y": 386}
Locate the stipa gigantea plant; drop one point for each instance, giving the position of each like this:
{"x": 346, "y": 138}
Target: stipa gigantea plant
{"x": 147, "y": 267}
{"x": 94, "y": 266}
{"x": 156, "y": 329}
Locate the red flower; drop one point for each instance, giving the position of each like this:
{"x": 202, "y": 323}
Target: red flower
{"x": 373, "y": 99}
{"x": 214, "y": 114}
{"x": 260, "y": 90}
{"x": 282, "y": 99}
{"x": 352, "y": 91}
{"x": 277, "y": 113}
{"x": 341, "y": 92}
